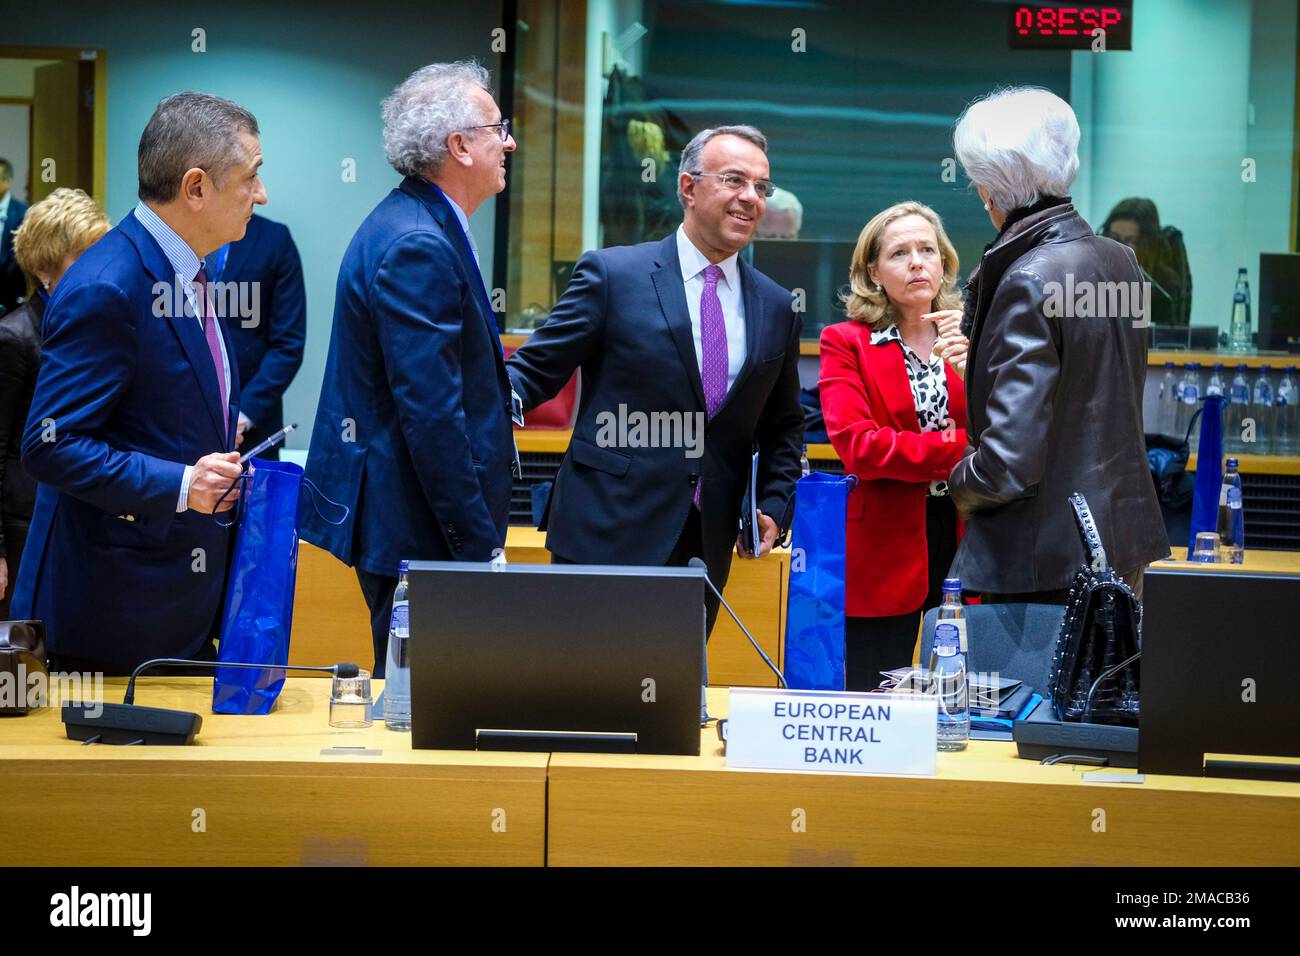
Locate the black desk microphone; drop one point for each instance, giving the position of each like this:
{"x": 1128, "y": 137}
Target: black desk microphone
{"x": 130, "y": 724}
{"x": 699, "y": 563}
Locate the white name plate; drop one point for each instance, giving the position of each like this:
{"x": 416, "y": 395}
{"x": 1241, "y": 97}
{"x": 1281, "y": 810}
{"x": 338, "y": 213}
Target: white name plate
{"x": 831, "y": 731}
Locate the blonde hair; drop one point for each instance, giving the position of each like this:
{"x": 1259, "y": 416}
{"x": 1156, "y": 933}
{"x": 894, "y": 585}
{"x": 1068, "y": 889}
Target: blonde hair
{"x": 65, "y": 223}
{"x": 867, "y": 302}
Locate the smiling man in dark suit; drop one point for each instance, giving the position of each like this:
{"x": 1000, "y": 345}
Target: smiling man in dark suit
{"x": 264, "y": 272}
{"x": 675, "y": 333}
{"x": 413, "y": 428}
{"x": 132, "y": 425}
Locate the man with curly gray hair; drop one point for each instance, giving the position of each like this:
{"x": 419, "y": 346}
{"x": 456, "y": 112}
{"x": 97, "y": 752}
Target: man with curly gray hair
{"x": 413, "y": 427}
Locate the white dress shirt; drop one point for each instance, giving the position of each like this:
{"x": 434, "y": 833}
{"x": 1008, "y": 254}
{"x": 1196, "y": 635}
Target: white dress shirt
{"x": 186, "y": 266}
{"x": 693, "y": 263}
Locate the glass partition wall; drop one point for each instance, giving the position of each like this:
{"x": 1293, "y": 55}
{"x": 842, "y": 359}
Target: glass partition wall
{"x": 1188, "y": 137}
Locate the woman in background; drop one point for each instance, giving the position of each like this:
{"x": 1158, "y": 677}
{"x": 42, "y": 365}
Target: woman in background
{"x": 54, "y": 233}
{"x": 896, "y": 416}
{"x": 1160, "y": 252}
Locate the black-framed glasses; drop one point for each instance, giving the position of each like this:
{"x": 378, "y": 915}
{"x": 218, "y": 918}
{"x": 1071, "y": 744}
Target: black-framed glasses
{"x": 504, "y": 126}
{"x": 736, "y": 182}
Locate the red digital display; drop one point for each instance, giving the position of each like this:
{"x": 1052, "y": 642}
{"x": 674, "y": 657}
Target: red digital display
{"x": 1043, "y": 27}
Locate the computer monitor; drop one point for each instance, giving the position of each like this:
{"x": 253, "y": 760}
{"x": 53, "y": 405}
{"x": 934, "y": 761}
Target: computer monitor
{"x": 1279, "y": 302}
{"x": 818, "y": 267}
{"x": 1220, "y": 664}
{"x": 556, "y": 657}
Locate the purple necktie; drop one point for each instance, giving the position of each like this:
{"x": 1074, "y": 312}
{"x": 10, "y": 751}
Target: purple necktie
{"x": 714, "y": 362}
{"x": 211, "y": 333}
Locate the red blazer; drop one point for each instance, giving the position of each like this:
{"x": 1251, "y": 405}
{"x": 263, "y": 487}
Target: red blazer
{"x": 872, "y": 423}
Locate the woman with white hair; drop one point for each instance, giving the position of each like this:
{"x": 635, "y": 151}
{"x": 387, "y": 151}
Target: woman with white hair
{"x": 1053, "y": 346}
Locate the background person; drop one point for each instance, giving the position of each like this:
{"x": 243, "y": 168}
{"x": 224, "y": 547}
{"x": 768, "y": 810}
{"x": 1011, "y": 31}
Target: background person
{"x": 12, "y": 210}
{"x": 896, "y": 415}
{"x": 265, "y": 269}
{"x": 1054, "y": 401}
{"x": 1160, "y": 252}
{"x": 54, "y": 234}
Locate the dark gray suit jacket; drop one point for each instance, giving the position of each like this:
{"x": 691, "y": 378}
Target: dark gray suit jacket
{"x": 623, "y": 320}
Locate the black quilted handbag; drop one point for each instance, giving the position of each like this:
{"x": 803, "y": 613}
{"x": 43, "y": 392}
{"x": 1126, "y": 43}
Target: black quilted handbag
{"x": 1101, "y": 637}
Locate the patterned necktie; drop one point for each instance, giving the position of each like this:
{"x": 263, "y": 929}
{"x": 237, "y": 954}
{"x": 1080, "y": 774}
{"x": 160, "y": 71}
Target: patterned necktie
{"x": 714, "y": 361}
{"x": 210, "y": 333}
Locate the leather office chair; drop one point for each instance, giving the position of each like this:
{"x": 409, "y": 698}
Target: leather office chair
{"x": 558, "y": 412}
{"x": 1015, "y": 640}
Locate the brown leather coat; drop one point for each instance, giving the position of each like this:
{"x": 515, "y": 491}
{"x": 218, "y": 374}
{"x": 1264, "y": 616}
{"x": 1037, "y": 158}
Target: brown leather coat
{"x": 1054, "y": 380}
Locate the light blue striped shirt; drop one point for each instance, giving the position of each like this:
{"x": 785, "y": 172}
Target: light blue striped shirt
{"x": 186, "y": 265}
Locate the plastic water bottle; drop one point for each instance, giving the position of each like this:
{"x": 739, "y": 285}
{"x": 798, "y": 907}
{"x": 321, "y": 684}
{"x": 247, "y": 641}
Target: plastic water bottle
{"x": 1232, "y": 523}
{"x": 397, "y": 672}
{"x": 1237, "y": 412}
{"x": 805, "y": 469}
{"x": 1216, "y": 385}
{"x": 1239, "y": 334}
{"x": 948, "y": 677}
{"x": 1261, "y": 409}
{"x": 1167, "y": 409}
{"x": 1286, "y": 421}
{"x": 952, "y": 610}
{"x": 1189, "y": 399}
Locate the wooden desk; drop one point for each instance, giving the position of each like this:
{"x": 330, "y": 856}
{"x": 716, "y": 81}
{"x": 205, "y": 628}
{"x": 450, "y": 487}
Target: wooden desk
{"x": 1258, "y": 560}
{"x": 270, "y": 797}
{"x": 331, "y": 623}
{"x": 1252, "y": 359}
{"x": 268, "y": 794}
{"x": 1259, "y": 464}
{"x": 997, "y": 810}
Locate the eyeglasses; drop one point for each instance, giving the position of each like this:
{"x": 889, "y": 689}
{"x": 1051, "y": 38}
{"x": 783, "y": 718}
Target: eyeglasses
{"x": 764, "y": 187}
{"x": 504, "y": 126}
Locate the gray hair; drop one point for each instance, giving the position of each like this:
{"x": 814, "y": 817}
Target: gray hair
{"x": 691, "y": 154}
{"x": 1020, "y": 144}
{"x": 186, "y": 131}
{"x": 426, "y": 108}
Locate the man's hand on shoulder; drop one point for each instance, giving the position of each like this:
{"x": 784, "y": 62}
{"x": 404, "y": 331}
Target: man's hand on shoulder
{"x": 212, "y": 477}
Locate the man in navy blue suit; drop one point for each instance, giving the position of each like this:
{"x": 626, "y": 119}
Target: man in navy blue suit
{"x": 132, "y": 426}
{"x": 413, "y": 427}
{"x": 683, "y": 333}
{"x": 264, "y": 273}
{"x": 12, "y": 209}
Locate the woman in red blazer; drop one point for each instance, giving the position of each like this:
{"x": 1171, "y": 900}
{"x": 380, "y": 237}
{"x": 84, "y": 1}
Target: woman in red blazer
{"x": 896, "y": 415}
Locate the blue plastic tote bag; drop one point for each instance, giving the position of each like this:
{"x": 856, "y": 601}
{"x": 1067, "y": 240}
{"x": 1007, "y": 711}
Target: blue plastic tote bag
{"x": 259, "y": 592}
{"x": 814, "y": 625}
{"x": 1209, "y": 471}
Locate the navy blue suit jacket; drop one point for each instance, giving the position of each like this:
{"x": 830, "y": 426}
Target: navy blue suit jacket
{"x": 413, "y": 427}
{"x": 623, "y": 319}
{"x": 13, "y": 284}
{"x": 269, "y": 350}
{"x": 125, "y": 399}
